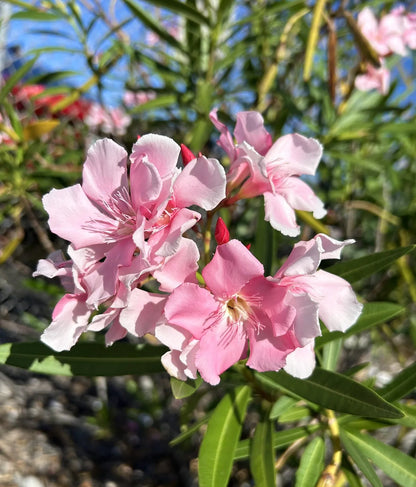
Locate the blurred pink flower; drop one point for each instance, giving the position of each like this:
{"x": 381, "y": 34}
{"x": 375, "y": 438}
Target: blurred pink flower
{"x": 374, "y": 79}
{"x": 259, "y": 166}
{"x": 132, "y": 99}
{"x": 386, "y": 35}
{"x": 110, "y": 121}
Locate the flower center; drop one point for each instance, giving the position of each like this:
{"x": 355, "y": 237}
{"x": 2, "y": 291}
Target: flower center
{"x": 238, "y": 310}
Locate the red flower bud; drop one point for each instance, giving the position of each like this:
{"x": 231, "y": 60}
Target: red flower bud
{"x": 222, "y": 235}
{"x": 187, "y": 154}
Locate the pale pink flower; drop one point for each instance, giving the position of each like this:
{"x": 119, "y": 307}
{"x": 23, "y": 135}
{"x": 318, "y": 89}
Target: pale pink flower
{"x": 123, "y": 231}
{"x": 386, "y": 36}
{"x": 337, "y": 304}
{"x": 132, "y": 99}
{"x": 110, "y": 121}
{"x": 209, "y": 329}
{"x": 259, "y": 166}
{"x": 409, "y": 35}
{"x": 374, "y": 79}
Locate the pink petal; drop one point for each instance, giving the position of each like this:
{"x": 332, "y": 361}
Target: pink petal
{"x": 338, "y": 305}
{"x": 267, "y": 352}
{"x": 159, "y": 150}
{"x": 172, "y": 336}
{"x": 294, "y": 154}
{"x": 180, "y": 267}
{"x": 301, "y": 362}
{"x": 72, "y": 214}
{"x": 70, "y": 319}
{"x": 143, "y": 312}
{"x": 301, "y": 197}
{"x": 104, "y": 171}
{"x": 331, "y": 248}
{"x": 306, "y": 323}
{"x": 202, "y": 182}
{"x": 145, "y": 184}
{"x": 232, "y": 266}
{"x": 219, "y": 348}
{"x": 116, "y": 332}
{"x": 250, "y": 128}
{"x": 189, "y": 306}
{"x": 280, "y": 214}
{"x": 226, "y": 140}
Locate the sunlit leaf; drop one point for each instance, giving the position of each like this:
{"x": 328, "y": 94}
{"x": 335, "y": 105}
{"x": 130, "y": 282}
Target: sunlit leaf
{"x": 373, "y": 314}
{"x": 217, "y": 449}
{"x": 396, "y": 464}
{"x": 401, "y": 385}
{"x": 16, "y": 77}
{"x": 311, "y": 463}
{"x": 180, "y": 8}
{"x": 332, "y": 391}
{"x": 36, "y": 129}
{"x": 354, "y": 270}
{"x": 360, "y": 460}
{"x": 262, "y": 454}
{"x": 281, "y": 439}
{"x": 89, "y": 359}
{"x": 182, "y": 389}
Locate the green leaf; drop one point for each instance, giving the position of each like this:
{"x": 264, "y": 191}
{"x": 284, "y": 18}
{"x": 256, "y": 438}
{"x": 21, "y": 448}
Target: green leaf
{"x": 311, "y": 463}
{"x": 373, "y": 314}
{"x": 89, "y": 359}
{"x": 281, "y": 439}
{"x": 281, "y": 406}
{"x": 182, "y": 389}
{"x": 262, "y": 454}
{"x": 360, "y": 460}
{"x": 151, "y": 23}
{"x": 331, "y": 353}
{"x": 220, "y": 441}
{"x": 354, "y": 270}
{"x": 332, "y": 391}
{"x": 16, "y": 77}
{"x": 318, "y": 15}
{"x": 189, "y": 431}
{"x": 396, "y": 464}
{"x": 161, "y": 101}
{"x": 180, "y": 8}
{"x": 401, "y": 385}
{"x": 41, "y": 15}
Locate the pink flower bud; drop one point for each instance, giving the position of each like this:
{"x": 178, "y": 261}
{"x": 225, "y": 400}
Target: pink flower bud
{"x": 187, "y": 154}
{"x": 222, "y": 235}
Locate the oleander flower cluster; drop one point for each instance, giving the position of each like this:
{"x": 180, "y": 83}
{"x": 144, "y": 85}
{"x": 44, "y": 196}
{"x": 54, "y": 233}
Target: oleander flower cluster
{"x": 141, "y": 260}
{"x": 393, "y": 34}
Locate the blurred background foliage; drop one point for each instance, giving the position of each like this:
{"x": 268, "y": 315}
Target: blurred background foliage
{"x": 161, "y": 66}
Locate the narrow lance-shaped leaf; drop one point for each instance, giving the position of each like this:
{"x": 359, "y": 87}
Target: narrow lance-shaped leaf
{"x": 373, "y": 314}
{"x": 262, "y": 453}
{"x": 396, "y": 464}
{"x": 360, "y": 460}
{"x": 311, "y": 463}
{"x": 401, "y": 385}
{"x": 16, "y": 77}
{"x": 318, "y": 14}
{"x": 354, "y": 270}
{"x": 332, "y": 391}
{"x": 89, "y": 359}
{"x": 182, "y": 9}
{"x": 218, "y": 446}
{"x": 281, "y": 439}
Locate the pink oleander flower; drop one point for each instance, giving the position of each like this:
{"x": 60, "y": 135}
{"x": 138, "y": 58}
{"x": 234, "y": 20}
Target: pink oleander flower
{"x": 261, "y": 167}
{"x": 123, "y": 230}
{"x": 110, "y": 121}
{"x": 132, "y": 99}
{"x": 374, "y": 79}
{"x": 409, "y": 35}
{"x": 386, "y": 35}
{"x": 337, "y": 304}
{"x": 239, "y": 312}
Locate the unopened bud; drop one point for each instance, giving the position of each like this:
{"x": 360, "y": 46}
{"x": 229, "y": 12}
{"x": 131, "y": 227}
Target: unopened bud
{"x": 187, "y": 154}
{"x": 222, "y": 235}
